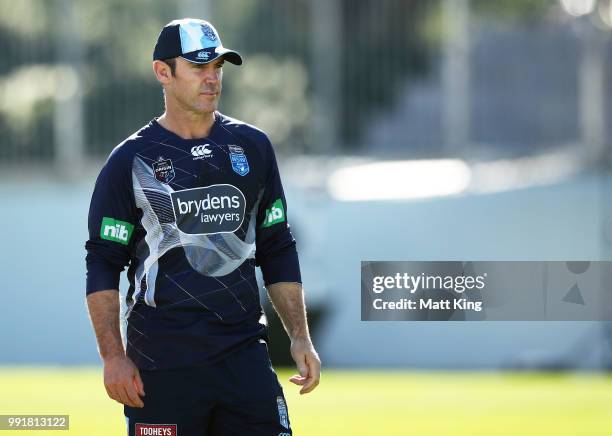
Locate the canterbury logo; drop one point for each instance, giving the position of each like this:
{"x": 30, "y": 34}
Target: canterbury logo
{"x": 200, "y": 151}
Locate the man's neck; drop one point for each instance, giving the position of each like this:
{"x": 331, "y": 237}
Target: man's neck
{"x": 187, "y": 125}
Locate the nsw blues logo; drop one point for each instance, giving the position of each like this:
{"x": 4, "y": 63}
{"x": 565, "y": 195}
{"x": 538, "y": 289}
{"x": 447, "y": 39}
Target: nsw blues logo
{"x": 283, "y": 417}
{"x": 208, "y": 32}
{"x": 239, "y": 161}
{"x": 163, "y": 170}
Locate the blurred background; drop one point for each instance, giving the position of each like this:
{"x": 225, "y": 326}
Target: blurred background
{"x": 405, "y": 129}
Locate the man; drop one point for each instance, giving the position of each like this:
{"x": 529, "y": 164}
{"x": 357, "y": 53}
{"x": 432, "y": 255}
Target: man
{"x": 192, "y": 202}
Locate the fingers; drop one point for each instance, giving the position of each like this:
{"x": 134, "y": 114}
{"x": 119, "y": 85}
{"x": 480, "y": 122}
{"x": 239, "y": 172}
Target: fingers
{"x": 125, "y": 393}
{"x": 300, "y": 361}
{"x": 111, "y": 393}
{"x": 132, "y": 396}
{"x": 298, "y": 380}
{"x": 309, "y": 386}
{"x": 123, "y": 396}
{"x": 309, "y": 366}
{"x": 138, "y": 383}
{"x": 117, "y": 393}
{"x": 122, "y": 381}
{"x": 299, "y": 356}
{"x": 314, "y": 373}
{"x": 303, "y": 368}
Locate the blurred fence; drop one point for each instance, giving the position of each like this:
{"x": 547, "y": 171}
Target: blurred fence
{"x": 403, "y": 77}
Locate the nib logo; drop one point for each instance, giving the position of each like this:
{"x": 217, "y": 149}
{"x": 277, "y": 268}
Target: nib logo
{"x": 274, "y": 215}
{"x": 116, "y": 231}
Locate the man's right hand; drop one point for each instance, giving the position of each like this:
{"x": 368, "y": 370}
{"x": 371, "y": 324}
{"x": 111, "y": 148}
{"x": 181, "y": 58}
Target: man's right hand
{"x": 122, "y": 381}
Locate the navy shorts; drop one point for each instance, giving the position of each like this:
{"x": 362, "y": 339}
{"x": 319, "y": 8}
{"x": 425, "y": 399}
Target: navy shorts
{"x": 239, "y": 395}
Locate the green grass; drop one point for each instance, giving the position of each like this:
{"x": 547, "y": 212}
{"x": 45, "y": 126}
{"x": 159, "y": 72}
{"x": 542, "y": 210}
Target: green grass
{"x": 356, "y": 403}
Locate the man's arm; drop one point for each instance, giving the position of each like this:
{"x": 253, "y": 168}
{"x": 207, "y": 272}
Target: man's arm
{"x": 288, "y": 301}
{"x": 121, "y": 377}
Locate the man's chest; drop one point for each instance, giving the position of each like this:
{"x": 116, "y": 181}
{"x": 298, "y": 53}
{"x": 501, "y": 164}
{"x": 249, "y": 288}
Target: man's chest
{"x": 211, "y": 186}
{"x": 206, "y": 163}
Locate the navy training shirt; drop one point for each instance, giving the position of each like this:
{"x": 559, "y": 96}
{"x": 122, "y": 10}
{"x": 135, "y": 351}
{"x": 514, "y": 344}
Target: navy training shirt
{"x": 192, "y": 218}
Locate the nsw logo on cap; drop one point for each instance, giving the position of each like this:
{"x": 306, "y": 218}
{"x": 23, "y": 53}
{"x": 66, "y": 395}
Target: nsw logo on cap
{"x": 197, "y": 35}
{"x": 209, "y": 32}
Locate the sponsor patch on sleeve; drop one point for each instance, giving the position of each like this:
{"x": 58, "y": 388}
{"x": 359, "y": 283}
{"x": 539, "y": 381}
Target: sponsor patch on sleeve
{"x": 116, "y": 231}
{"x": 275, "y": 214}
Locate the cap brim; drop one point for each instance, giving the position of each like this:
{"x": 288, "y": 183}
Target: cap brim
{"x": 208, "y": 55}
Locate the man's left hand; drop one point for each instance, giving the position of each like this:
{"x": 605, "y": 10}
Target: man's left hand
{"x": 308, "y": 363}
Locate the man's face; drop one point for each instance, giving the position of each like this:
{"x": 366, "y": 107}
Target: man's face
{"x": 196, "y": 87}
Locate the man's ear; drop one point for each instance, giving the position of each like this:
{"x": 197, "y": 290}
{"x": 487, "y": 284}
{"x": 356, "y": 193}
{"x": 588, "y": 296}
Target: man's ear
{"x": 162, "y": 72}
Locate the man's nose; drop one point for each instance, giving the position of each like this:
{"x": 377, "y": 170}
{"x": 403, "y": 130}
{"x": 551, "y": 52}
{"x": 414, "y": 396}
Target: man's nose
{"x": 211, "y": 75}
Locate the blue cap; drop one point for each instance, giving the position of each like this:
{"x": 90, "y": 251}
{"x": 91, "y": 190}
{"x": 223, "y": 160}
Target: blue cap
{"x": 194, "y": 40}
